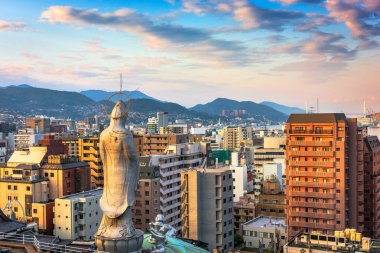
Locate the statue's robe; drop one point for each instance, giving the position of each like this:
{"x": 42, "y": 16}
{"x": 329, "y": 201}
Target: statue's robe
{"x": 120, "y": 168}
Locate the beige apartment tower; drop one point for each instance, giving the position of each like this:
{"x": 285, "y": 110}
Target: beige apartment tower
{"x": 207, "y": 207}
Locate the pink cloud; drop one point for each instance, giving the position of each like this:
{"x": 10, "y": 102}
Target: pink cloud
{"x": 11, "y": 26}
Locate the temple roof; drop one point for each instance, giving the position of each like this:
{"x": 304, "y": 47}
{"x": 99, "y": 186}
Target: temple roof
{"x": 173, "y": 245}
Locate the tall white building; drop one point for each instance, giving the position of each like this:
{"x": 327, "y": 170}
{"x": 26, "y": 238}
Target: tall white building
{"x": 242, "y": 183}
{"x": 178, "y": 158}
{"x": 78, "y": 216}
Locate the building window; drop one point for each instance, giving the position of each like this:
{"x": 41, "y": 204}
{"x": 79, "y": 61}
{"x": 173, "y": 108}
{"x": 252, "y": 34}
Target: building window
{"x": 34, "y": 210}
{"x": 15, "y": 187}
{"x": 51, "y": 174}
{"x": 28, "y": 188}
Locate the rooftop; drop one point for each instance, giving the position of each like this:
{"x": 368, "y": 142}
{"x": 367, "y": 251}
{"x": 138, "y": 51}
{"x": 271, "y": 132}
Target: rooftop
{"x": 34, "y": 155}
{"x": 173, "y": 245}
{"x": 266, "y": 221}
{"x": 316, "y": 118}
{"x": 96, "y": 192}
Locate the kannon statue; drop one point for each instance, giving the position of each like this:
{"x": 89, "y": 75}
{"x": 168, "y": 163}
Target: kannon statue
{"x": 116, "y": 232}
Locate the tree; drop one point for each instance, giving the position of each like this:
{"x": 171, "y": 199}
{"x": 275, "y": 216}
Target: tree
{"x": 238, "y": 240}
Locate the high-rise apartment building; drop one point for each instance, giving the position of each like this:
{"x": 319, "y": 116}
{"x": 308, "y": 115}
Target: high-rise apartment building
{"x": 89, "y": 152}
{"x": 162, "y": 119}
{"x": 39, "y": 124}
{"x": 207, "y": 207}
{"x": 178, "y": 158}
{"x": 324, "y": 173}
{"x": 232, "y": 137}
{"x": 372, "y": 187}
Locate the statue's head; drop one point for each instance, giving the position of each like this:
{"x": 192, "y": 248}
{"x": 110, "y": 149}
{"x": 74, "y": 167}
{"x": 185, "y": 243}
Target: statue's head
{"x": 120, "y": 112}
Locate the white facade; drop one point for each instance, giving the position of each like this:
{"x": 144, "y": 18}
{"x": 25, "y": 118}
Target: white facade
{"x": 78, "y": 216}
{"x": 241, "y": 185}
{"x": 178, "y": 158}
{"x": 266, "y": 230}
{"x": 273, "y": 169}
{"x": 198, "y": 130}
{"x": 25, "y": 140}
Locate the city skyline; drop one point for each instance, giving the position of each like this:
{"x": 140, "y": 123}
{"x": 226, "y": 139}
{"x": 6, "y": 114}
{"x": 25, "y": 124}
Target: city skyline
{"x": 286, "y": 51}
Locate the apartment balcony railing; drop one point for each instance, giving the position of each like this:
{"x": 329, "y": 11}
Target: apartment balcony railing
{"x": 313, "y": 131}
{"x": 311, "y": 194}
{"x": 311, "y": 164}
{"x": 311, "y": 143}
{"x": 312, "y": 184}
{"x": 316, "y": 226}
{"x": 311, "y": 204}
{"x": 312, "y": 215}
{"x": 311, "y": 153}
{"x": 310, "y": 174}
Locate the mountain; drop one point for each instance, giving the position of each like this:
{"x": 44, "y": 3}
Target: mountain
{"x": 28, "y": 100}
{"x": 283, "y": 108}
{"x": 100, "y": 95}
{"x": 253, "y": 109}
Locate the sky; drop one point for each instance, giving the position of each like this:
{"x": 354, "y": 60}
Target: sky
{"x": 291, "y": 52}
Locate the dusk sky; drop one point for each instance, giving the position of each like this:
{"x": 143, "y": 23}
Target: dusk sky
{"x": 193, "y": 51}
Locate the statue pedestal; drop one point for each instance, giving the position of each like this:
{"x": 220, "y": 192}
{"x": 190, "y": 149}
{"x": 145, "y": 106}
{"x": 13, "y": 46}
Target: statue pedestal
{"x": 121, "y": 245}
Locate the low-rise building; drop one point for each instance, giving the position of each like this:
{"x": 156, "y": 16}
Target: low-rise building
{"x": 265, "y": 232}
{"x": 78, "y": 216}
{"x": 342, "y": 241}
{"x": 244, "y": 210}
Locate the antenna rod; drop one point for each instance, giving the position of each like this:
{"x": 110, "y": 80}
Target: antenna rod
{"x": 121, "y": 85}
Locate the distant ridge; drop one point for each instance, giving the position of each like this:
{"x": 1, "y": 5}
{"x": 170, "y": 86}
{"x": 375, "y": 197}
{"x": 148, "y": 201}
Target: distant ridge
{"x": 99, "y": 95}
{"x": 283, "y": 108}
{"x": 219, "y": 104}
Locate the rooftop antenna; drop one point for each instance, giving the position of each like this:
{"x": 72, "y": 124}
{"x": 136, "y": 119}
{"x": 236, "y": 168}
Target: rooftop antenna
{"x": 317, "y": 105}
{"x": 121, "y": 86}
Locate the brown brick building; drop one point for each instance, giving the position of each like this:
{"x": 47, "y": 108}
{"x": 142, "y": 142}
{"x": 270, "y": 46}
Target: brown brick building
{"x": 324, "y": 173}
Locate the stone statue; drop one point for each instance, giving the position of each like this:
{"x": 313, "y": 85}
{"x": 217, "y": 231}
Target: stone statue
{"x": 116, "y": 232}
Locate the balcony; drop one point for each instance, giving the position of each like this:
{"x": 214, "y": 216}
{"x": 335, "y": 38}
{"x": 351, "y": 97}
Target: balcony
{"x": 315, "y": 226}
{"x": 311, "y": 194}
{"x": 310, "y": 174}
{"x": 311, "y": 143}
{"x": 311, "y": 153}
{"x": 312, "y": 184}
{"x": 311, "y": 164}
{"x": 311, "y": 204}
{"x": 313, "y": 131}
{"x": 312, "y": 215}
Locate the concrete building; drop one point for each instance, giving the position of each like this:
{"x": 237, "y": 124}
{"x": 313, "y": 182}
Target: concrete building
{"x": 89, "y": 152}
{"x": 152, "y": 126}
{"x": 177, "y": 158}
{"x": 266, "y": 230}
{"x": 324, "y": 173}
{"x": 244, "y": 210}
{"x": 156, "y": 144}
{"x": 263, "y": 156}
{"x": 207, "y": 207}
{"x": 147, "y": 204}
{"x": 242, "y": 178}
{"x": 72, "y": 144}
{"x": 66, "y": 175}
{"x": 273, "y": 169}
{"x": 162, "y": 119}
{"x": 26, "y": 138}
{"x": 372, "y": 187}
{"x": 77, "y": 216}
{"x": 272, "y": 202}
{"x": 40, "y": 125}
{"x": 232, "y": 137}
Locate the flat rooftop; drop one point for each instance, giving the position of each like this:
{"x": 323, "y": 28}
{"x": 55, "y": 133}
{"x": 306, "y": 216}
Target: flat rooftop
{"x": 96, "y": 192}
{"x": 266, "y": 222}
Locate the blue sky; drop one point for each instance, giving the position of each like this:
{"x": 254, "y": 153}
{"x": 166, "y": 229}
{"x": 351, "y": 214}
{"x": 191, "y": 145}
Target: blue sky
{"x": 193, "y": 51}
